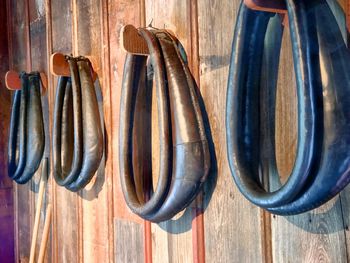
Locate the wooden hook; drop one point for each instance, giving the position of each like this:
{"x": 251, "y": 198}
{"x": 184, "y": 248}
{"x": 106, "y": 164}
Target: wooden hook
{"x": 13, "y": 81}
{"x": 273, "y": 6}
{"x": 132, "y": 42}
{"x": 60, "y": 67}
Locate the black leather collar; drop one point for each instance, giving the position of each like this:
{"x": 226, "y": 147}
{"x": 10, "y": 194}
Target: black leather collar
{"x": 77, "y": 133}
{"x": 26, "y": 136}
{"x": 321, "y": 61}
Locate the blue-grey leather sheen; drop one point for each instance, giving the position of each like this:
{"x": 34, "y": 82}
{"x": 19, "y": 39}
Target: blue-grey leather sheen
{"x": 321, "y": 64}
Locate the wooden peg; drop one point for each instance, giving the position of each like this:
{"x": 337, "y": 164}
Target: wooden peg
{"x": 273, "y": 6}
{"x": 13, "y": 81}
{"x": 132, "y": 42}
{"x": 60, "y": 67}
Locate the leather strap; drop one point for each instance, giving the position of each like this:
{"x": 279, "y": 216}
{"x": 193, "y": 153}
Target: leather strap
{"x": 184, "y": 154}
{"x": 77, "y": 132}
{"x": 27, "y": 136}
{"x": 321, "y": 62}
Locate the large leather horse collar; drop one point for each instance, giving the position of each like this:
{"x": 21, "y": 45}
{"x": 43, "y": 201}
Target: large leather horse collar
{"x": 77, "y": 132}
{"x": 184, "y": 155}
{"x": 26, "y": 135}
{"x": 321, "y": 61}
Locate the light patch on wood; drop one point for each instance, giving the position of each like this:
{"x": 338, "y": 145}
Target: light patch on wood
{"x": 128, "y": 242}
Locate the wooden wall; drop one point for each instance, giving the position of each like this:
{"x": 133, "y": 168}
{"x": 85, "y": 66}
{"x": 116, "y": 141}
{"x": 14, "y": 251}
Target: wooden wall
{"x": 6, "y": 187}
{"x": 94, "y": 225}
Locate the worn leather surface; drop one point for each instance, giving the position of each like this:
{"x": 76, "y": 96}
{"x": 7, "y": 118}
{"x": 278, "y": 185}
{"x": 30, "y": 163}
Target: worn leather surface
{"x": 77, "y": 133}
{"x": 184, "y": 154}
{"x": 26, "y": 135}
{"x": 321, "y": 62}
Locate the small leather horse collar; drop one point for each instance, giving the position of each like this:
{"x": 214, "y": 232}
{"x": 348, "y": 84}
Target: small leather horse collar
{"x": 77, "y": 132}
{"x": 321, "y": 61}
{"x": 26, "y": 135}
{"x": 184, "y": 155}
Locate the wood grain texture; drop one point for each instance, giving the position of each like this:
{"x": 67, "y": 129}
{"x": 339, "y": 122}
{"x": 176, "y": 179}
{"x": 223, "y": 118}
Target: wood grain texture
{"x": 19, "y": 60}
{"x": 65, "y": 203}
{"x": 38, "y": 62}
{"x": 5, "y": 100}
{"x": 95, "y": 225}
{"x": 7, "y": 248}
{"x": 232, "y": 224}
{"x": 133, "y": 232}
{"x": 172, "y": 240}
{"x": 120, "y": 13}
{"x": 95, "y": 212}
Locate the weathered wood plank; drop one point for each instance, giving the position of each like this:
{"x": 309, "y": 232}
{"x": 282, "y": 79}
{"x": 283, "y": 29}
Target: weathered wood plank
{"x": 18, "y": 35}
{"x": 232, "y": 225}
{"x": 65, "y": 205}
{"x": 344, "y": 200}
{"x": 95, "y": 212}
{"x": 106, "y": 84}
{"x": 133, "y": 233}
{"x": 316, "y": 236}
{"x": 83, "y": 226}
{"x": 20, "y": 60}
{"x": 5, "y": 100}
{"x": 37, "y": 26}
{"x": 7, "y": 248}
{"x": 120, "y": 13}
{"x": 171, "y": 240}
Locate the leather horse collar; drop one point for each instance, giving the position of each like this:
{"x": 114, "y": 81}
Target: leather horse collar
{"x": 77, "y": 130}
{"x": 321, "y": 61}
{"x": 184, "y": 155}
{"x": 26, "y": 135}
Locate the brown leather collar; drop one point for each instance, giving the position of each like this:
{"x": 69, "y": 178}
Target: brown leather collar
{"x": 184, "y": 154}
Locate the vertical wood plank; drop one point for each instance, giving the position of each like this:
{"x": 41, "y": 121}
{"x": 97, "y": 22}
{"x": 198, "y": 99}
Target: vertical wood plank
{"x": 65, "y": 206}
{"x": 345, "y": 195}
{"x": 172, "y": 240}
{"x": 18, "y": 28}
{"x": 38, "y": 52}
{"x": 233, "y": 227}
{"x": 95, "y": 211}
{"x": 106, "y": 83}
{"x": 132, "y": 232}
{"x": 121, "y": 12}
{"x": 198, "y": 238}
{"x": 5, "y": 100}
{"x": 7, "y": 249}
